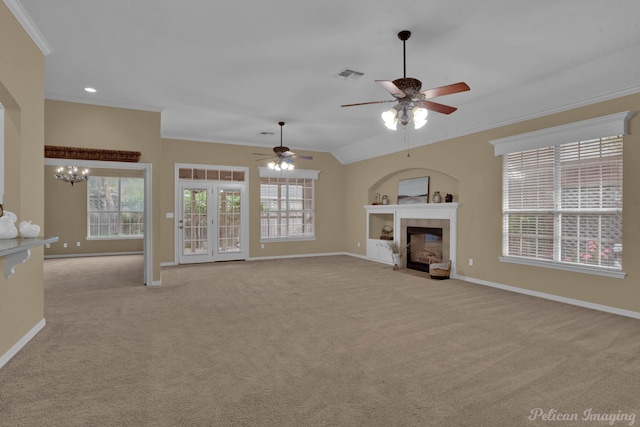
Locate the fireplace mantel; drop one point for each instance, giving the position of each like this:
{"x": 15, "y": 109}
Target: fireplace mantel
{"x": 418, "y": 211}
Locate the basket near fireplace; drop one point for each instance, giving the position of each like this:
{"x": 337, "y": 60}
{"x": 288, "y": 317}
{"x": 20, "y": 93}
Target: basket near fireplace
{"x": 440, "y": 271}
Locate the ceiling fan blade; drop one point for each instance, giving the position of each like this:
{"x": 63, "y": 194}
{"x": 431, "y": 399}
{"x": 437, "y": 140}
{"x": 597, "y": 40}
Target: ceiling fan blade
{"x": 287, "y": 153}
{"x": 446, "y": 90}
{"x": 391, "y": 88}
{"x": 265, "y": 158}
{"x": 434, "y": 106}
{"x": 367, "y": 103}
{"x": 303, "y": 157}
{"x": 262, "y": 154}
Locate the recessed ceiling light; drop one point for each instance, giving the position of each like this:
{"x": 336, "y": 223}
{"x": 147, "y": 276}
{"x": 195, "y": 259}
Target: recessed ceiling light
{"x": 90, "y": 90}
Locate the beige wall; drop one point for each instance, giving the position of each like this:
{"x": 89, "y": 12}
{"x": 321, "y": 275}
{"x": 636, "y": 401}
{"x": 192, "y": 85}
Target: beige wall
{"x": 21, "y": 93}
{"x": 90, "y": 126}
{"x": 469, "y": 161}
{"x": 80, "y": 125}
{"x": 66, "y": 216}
{"x": 329, "y": 193}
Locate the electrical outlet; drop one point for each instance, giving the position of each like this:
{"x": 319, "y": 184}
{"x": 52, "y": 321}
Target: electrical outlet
{"x": 262, "y": 246}
{"x": 471, "y": 261}
{"x": 358, "y": 244}
{"x": 48, "y": 246}
{"x": 77, "y": 243}
{"x": 64, "y": 245}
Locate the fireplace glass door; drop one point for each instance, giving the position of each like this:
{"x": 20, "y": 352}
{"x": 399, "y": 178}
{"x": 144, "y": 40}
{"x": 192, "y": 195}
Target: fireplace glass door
{"x": 424, "y": 247}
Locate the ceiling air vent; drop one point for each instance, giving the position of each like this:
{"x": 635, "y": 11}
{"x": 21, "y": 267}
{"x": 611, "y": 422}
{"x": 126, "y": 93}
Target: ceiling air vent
{"x": 347, "y": 73}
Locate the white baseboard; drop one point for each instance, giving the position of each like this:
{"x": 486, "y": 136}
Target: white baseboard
{"x": 168, "y": 264}
{"x": 359, "y": 256}
{"x": 580, "y": 303}
{"x": 155, "y": 283}
{"x": 297, "y": 256}
{"x": 20, "y": 344}
{"x": 92, "y": 254}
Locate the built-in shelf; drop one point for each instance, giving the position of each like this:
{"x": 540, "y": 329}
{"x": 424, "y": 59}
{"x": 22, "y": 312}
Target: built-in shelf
{"x": 18, "y": 251}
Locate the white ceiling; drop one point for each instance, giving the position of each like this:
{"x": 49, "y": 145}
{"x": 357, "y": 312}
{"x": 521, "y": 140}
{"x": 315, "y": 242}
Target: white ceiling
{"x": 227, "y": 71}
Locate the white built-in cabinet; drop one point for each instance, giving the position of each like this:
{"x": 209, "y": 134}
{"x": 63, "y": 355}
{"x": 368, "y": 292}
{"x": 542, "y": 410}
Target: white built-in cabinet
{"x": 379, "y": 216}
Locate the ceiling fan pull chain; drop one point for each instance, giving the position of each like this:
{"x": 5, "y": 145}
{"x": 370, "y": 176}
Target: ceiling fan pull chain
{"x": 406, "y": 139}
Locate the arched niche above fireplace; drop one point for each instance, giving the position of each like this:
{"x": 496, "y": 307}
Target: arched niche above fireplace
{"x": 388, "y": 184}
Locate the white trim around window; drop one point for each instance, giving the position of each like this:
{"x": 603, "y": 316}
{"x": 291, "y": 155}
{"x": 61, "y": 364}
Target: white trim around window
{"x": 599, "y": 127}
{"x": 307, "y": 205}
{"x": 296, "y": 173}
{"x": 539, "y": 154}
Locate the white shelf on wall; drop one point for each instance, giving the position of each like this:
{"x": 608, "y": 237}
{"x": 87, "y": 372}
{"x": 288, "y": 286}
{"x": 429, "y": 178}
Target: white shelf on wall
{"x": 17, "y": 251}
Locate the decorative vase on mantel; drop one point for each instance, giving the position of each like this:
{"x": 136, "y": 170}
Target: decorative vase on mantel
{"x": 437, "y": 198}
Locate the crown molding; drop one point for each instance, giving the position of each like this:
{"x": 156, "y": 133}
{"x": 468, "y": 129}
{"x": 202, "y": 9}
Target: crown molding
{"x": 29, "y": 26}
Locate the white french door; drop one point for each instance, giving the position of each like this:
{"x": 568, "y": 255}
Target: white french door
{"x": 211, "y": 222}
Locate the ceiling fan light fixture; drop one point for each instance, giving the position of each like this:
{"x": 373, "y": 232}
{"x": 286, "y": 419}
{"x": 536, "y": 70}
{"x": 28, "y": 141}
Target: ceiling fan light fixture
{"x": 280, "y": 165}
{"x": 404, "y": 119}
{"x": 390, "y": 118}
{"x": 412, "y": 104}
{"x": 419, "y": 117}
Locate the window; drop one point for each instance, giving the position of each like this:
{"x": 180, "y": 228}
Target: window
{"x": 287, "y": 205}
{"x": 562, "y": 204}
{"x": 115, "y": 208}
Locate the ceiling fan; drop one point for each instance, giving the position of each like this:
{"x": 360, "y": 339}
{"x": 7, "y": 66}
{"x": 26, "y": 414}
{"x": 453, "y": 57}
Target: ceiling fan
{"x": 283, "y": 158}
{"x": 410, "y": 99}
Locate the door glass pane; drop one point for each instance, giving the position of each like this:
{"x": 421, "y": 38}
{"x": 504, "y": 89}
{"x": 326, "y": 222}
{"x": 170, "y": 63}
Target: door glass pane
{"x": 229, "y": 221}
{"x": 194, "y": 232}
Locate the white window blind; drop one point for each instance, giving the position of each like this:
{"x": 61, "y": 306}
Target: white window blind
{"x": 287, "y": 204}
{"x": 563, "y": 204}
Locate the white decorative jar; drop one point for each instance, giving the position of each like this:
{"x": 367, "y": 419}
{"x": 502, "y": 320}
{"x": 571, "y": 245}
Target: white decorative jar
{"x": 29, "y": 230}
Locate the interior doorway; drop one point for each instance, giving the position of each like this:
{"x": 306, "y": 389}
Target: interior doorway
{"x": 148, "y": 218}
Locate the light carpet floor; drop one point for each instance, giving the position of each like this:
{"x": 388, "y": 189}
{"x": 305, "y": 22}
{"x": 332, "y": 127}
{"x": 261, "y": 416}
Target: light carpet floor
{"x": 323, "y": 341}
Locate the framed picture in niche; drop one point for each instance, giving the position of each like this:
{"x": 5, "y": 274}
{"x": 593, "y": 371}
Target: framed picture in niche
{"x": 414, "y": 190}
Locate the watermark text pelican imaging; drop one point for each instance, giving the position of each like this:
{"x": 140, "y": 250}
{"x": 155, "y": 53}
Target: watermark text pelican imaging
{"x": 588, "y": 415}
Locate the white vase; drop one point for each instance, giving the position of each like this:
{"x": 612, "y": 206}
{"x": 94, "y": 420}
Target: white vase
{"x": 8, "y": 229}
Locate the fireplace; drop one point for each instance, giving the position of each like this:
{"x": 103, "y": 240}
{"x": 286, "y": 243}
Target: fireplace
{"x": 424, "y": 246}
{"x": 440, "y": 216}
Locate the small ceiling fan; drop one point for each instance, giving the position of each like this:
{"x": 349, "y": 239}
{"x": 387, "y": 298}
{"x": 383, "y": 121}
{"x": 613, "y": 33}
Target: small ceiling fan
{"x": 410, "y": 99}
{"x": 283, "y": 158}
